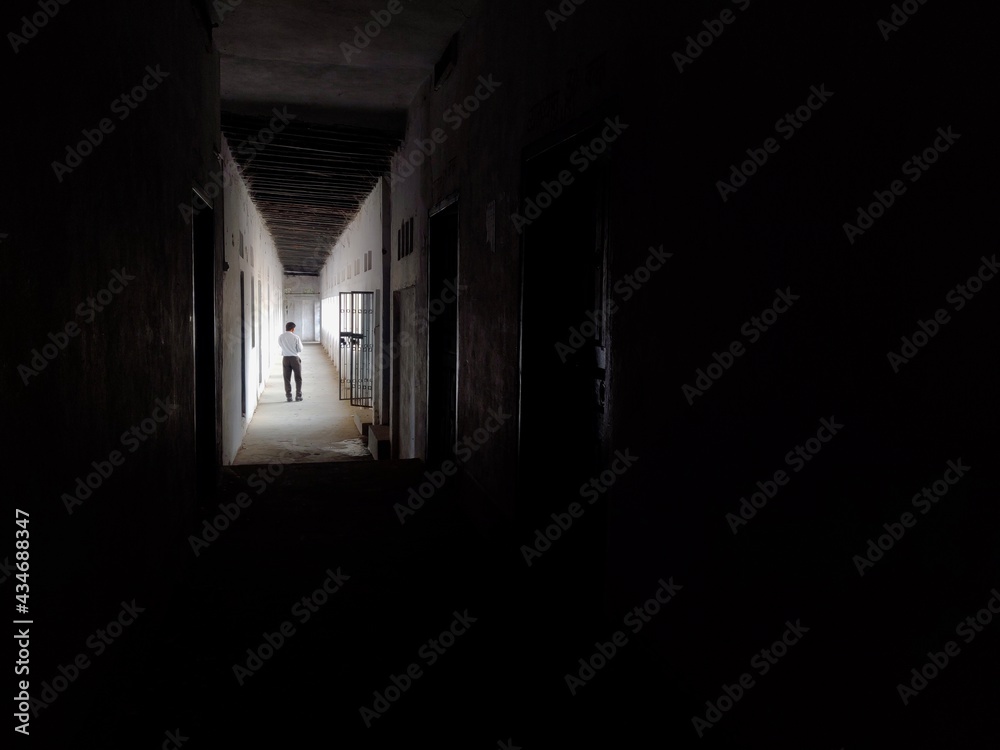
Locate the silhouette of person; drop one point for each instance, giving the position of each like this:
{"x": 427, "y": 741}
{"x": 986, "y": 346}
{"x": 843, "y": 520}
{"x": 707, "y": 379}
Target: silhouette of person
{"x": 291, "y": 347}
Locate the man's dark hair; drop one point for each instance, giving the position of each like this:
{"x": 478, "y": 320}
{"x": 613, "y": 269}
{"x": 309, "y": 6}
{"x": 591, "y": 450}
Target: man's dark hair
{"x": 289, "y": 326}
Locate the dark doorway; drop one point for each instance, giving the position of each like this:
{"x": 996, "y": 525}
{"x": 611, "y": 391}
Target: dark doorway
{"x": 564, "y": 337}
{"x": 207, "y": 439}
{"x": 243, "y": 345}
{"x": 260, "y": 332}
{"x": 396, "y": 375}
{"x": 442, "y": 326}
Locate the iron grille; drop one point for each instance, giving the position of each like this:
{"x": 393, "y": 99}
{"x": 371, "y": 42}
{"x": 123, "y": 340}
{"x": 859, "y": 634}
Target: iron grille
{"x": 357, "y": 317}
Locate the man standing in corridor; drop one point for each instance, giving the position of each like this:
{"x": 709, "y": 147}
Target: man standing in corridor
{"x": 291, "y": 347}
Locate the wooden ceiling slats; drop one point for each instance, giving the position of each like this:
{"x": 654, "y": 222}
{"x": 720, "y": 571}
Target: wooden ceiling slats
{"x": 308, "y": 182}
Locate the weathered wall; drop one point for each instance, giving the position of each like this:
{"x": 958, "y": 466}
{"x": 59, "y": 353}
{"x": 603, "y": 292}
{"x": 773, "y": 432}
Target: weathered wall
{"x": 408, "y": 278}
{"x": 730, "y": 253}
{"x": 355, "y": 265}
{"x": 525, "y": 80}
{"x": 250, "y": 250}
{"x": 67, "y": 238}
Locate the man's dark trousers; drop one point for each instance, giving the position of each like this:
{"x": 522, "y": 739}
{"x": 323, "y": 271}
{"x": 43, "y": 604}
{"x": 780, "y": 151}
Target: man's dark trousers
{"x": 288, "y": 366}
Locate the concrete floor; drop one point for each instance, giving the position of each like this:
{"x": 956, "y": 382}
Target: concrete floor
{"x": 319, "y": 428}
{"x": 504, "y": 679}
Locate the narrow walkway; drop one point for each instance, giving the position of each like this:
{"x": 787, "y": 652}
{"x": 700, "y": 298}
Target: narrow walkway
{"x": 319, "y": 428}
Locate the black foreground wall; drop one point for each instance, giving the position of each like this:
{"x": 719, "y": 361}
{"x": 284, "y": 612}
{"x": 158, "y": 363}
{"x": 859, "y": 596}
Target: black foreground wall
{"x": 898, "y": 126}
{"x": 818, "y": 348}
{"x": 901, "y": 129}
{"x": 819, "y": 414}
{"x": 112, "y": 118}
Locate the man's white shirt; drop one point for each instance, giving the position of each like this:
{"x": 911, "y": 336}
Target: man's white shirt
{"x": 291, "y": 345}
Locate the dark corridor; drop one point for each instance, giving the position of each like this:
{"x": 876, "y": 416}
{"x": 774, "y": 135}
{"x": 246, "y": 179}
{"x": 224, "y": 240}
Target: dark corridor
{"x": 700, "y": 450}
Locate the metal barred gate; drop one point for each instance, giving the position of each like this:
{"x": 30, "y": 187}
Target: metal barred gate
{"x": 357, "y": 347}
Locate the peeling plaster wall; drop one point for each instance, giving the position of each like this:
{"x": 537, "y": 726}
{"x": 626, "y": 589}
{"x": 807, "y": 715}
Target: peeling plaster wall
{"x": 263, "y": 319}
